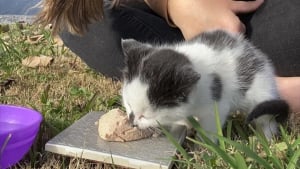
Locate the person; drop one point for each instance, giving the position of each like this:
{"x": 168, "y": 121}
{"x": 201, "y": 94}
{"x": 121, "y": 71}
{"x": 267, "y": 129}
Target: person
{"x": 95, "y": 35}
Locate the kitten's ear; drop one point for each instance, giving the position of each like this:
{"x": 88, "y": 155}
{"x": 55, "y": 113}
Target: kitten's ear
{"x": 133, "y": 51}
{"x": 132, "y": 48}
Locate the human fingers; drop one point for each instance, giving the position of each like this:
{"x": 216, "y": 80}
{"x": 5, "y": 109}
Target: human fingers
{"x": 245, "y": 6}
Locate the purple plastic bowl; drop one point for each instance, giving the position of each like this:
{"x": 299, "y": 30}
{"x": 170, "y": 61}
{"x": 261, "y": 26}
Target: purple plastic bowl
{"x": 22, "y": 124}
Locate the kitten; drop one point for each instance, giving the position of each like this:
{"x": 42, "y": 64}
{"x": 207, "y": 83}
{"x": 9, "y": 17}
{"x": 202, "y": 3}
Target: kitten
{"x": 168, "y": 83}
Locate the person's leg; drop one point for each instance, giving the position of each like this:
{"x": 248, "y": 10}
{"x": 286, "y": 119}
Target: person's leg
{"x": 289, "y": 90}
{"x": 100, "y": 47}
{"x": 275, "y": 28}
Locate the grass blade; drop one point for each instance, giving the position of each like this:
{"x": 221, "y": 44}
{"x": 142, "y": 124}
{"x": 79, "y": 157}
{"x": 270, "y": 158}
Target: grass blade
{"x": 295, "y": 144}
{"x": 210, "y": 144}
{"x": 216, "y": 149}
{"x": 276, "y": 162}
{"x": 262, "y": 140}
{"x": 229, "y": 129}
{"x": 293, "y": 161}
{"x": 240, "y": 161}
{"x": 88, "y": 106}
{"x": 248, "y": 152}
{"x": 200, "y": 131}
{"x": 240, "y": 131}
{"x": 287, "y": 139}
{"x": 175, "y": 143}
{"x": 219, "y": 126}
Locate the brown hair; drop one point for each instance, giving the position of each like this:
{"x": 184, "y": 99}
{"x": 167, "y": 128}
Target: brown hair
{"x": 71, "y": 15}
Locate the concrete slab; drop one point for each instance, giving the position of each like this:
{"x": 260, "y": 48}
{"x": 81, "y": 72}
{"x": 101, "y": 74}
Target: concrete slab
{"x": 81, "y": 140}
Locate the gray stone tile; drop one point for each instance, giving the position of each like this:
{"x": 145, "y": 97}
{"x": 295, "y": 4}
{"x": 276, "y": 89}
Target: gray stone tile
{"x": 81, "y": 140}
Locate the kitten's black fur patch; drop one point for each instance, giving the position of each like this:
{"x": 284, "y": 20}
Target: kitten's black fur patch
{"x": 131, "y": 118}
{"x": 218, "y": 40}
{"x": 248, "y": 66}
{"x": 134, "y": 51}
{"x": 170, "y": 77}
{"x": 216, "y": 87}
{"x": 278, "y": 108}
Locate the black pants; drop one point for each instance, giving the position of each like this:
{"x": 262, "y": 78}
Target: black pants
{"x": 274, "y": 28}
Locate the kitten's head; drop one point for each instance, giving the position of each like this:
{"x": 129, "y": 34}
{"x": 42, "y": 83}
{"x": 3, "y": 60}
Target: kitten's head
{"x": 157, "y": 84}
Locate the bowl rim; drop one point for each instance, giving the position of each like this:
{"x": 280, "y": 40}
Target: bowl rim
{"x": 39, "y": 117}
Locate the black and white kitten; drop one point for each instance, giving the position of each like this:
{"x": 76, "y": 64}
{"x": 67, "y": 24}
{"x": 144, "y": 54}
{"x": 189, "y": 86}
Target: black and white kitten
{"x": 168, "y": 83}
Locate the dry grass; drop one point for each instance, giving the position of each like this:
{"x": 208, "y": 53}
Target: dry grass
{"x": 63, "y": 75}
{"x": 63, "y": 91}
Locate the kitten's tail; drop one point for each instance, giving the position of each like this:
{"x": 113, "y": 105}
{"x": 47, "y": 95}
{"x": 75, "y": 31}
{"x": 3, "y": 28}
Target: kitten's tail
{"x": 279, "y": 108}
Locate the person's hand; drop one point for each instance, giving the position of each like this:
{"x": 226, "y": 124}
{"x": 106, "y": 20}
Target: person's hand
{"x": 195, "y": 16}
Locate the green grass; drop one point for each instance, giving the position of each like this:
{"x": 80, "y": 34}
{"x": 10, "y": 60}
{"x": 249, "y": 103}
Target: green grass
{"x": 67, "y": 89}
